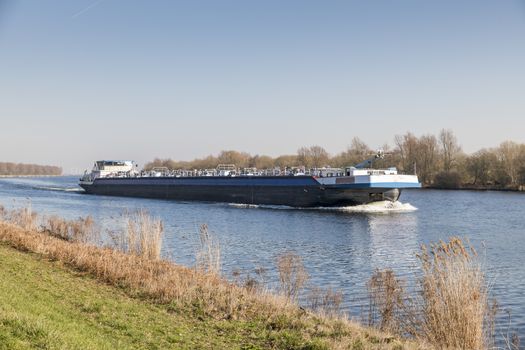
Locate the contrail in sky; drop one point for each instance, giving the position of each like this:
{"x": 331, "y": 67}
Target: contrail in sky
{"x": 93, "y": 4}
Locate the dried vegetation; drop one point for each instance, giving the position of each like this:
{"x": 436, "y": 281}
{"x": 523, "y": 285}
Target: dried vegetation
{"x": 142, "y": 235}
{"x": 207, "y": 294}
{"x": 449, "y": 309}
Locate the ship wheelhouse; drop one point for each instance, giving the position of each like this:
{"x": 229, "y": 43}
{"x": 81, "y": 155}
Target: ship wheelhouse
{"x": 110, "y": 168}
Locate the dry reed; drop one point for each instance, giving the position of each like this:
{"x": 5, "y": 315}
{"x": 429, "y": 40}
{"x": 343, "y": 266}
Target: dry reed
{"x": 208, "y": 255}
{"x": 257, "y": 283}
{"x": 142, "y": 235}
{"x": 81, "y": 230}
{"x": 387, "y": 302}
{"x": 449, "y": 309}
{"x": 325, "y": 301}
{"x": 23, "y": 217}
{"x": 292, "y": 274}
{"x": 455, "y": 303}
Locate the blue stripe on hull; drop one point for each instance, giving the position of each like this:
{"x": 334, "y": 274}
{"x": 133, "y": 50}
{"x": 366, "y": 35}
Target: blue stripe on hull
{"x": 400, "y": 185}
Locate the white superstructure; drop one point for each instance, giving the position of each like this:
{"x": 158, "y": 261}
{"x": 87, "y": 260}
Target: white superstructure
{"x": 109, "y": 168}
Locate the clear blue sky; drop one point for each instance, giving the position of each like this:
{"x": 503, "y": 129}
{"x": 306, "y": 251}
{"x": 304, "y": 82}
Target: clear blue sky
{"x": 84, "y": 79}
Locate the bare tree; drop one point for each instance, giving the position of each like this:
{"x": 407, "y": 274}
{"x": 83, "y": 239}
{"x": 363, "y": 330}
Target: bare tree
{"x": 509, "y": 153}
{"x": 286, "y": 161}
{"x": 303, "y": 156}
{"x": 319, "y": 156}
{"x": 355, "y": 153}
{"x": 313, "y": 156}
{"x": 407, "y": 147}
{"x": 240, "y": 159}
{"x": 426, "y": 155}
{"x": 420, "y": 153}
{"x": 359, "y": 148}
{"x": 262, "y": 162}
{"x": 479, "y": 166}
{"x": 449, "y": 148}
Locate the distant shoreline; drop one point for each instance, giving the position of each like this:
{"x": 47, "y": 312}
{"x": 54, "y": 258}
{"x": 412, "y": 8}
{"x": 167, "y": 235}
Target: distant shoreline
{"x": 478, "y": 189}
{"x": 15, "y": 176}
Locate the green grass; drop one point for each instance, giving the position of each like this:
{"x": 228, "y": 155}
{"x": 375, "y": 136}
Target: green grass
{"x": 44, "y": 305}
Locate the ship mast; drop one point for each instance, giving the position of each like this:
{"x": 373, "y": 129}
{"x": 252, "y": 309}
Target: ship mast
{"x": 368, "y": 162}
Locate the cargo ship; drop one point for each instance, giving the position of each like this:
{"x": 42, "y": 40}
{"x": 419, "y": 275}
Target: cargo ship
{"x": 295, "y": 187}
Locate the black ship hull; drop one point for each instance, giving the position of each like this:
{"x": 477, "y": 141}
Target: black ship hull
{"x": 287, "y": 191}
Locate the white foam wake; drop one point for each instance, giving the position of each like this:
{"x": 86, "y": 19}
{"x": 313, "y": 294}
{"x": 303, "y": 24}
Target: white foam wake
{"x": 60, "y": 189}
{"x": 375, "y": 207}
{"x": 243, "y": 206}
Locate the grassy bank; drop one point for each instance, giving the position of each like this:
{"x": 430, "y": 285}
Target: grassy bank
{"x": 45, "y": 305}
{"x": 60, "y": 294}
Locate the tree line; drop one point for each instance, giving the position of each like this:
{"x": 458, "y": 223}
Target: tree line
{"x": 438, "y": 160}
{"x": 28, "y": 169}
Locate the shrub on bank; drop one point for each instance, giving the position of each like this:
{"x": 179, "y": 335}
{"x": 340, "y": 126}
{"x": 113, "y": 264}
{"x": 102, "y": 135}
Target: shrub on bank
{"x": 448, "y": 180}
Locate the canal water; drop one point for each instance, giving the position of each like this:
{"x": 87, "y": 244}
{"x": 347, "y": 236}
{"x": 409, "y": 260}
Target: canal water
{"x": 340, "y": 247}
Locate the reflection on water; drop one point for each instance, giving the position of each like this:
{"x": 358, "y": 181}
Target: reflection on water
{"x": 340, "y": 247}
{"x": 393, "y": 241}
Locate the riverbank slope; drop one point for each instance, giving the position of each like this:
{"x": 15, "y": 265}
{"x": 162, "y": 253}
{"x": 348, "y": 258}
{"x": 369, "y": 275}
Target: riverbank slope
{"x": 49, "y": 299}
